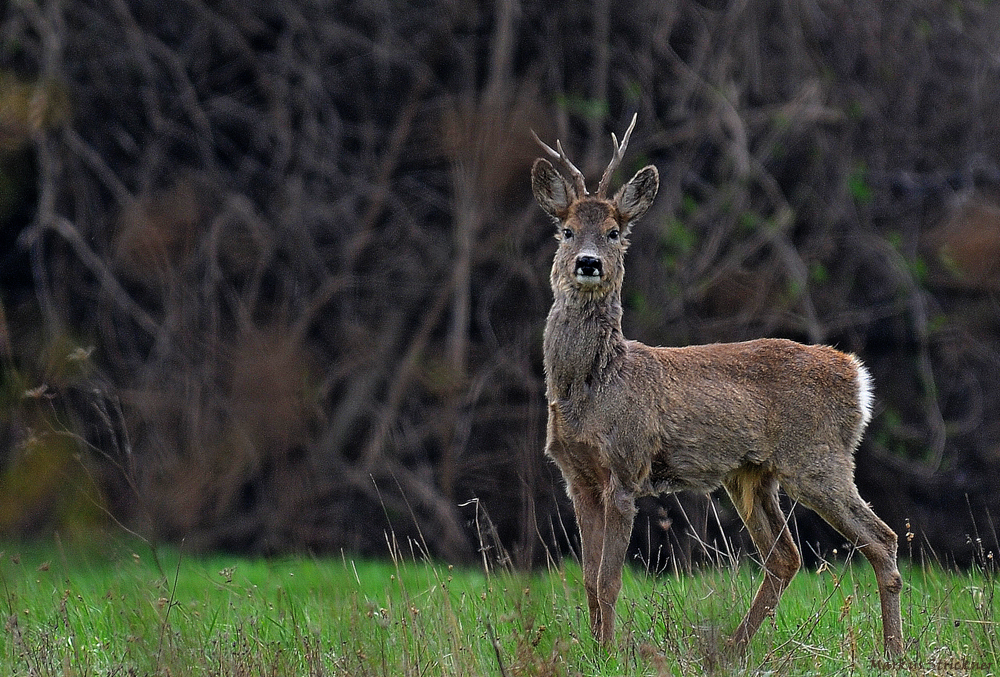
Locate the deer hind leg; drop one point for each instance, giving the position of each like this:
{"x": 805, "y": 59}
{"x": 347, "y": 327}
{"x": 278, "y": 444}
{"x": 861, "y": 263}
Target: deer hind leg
{"x": 755, "y": 495}
{"x": 840, "y": 505}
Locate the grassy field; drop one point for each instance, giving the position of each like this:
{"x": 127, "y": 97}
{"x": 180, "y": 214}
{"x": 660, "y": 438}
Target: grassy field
{"x": 123, "y": 609}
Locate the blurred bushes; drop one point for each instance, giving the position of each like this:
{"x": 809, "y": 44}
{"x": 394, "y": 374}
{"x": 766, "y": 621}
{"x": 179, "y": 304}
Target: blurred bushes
{"x": 300, "y": 240}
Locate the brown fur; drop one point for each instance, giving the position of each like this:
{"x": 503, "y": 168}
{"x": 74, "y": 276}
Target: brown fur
{"x": 627, "y": 420}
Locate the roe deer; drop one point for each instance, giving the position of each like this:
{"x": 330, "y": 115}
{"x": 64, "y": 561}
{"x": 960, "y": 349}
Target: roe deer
{"x": 627, "y": 420}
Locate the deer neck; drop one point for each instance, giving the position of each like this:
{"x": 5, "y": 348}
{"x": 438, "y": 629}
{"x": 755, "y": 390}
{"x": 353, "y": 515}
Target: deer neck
{"x": 583, "y": 335}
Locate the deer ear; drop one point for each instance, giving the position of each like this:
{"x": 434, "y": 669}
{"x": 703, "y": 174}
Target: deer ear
{"x": 635, "y": 197}
{"x": 550, "y": 188}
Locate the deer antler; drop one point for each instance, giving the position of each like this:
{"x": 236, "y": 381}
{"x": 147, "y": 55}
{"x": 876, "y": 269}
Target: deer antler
{"x": 602, "y": 187}
{"x": 579, "y": 182}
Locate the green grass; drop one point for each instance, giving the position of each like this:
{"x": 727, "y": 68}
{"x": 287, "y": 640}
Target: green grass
{"x": 115, "y": 610}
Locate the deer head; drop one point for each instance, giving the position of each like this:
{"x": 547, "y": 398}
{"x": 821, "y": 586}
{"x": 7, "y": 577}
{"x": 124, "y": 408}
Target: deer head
{"x": 592, "y": 230}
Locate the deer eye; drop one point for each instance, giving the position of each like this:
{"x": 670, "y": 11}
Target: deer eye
{"x": 613, "y": 235}
{"x": 567, "y": 234}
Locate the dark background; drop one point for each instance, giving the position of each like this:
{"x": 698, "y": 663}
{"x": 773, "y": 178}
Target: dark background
{"x": 272, "y": 279}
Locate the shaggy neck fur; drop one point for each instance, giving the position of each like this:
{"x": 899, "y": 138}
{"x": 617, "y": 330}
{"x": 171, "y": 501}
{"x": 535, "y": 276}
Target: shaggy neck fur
{"x": 582, "y": 335}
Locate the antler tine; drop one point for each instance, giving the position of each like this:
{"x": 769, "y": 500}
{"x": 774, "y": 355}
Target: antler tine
{"x": 602, "y": 187}
{"x": 579, "y": 182}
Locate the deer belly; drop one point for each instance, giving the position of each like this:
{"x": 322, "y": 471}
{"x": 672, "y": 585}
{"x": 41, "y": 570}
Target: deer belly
{"x": 670, "y": 473}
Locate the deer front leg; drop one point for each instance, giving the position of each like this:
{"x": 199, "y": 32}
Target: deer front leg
{"x": 619, "y": 513}
{"x": 589, "y": 512}
{"x": 604, "y": 516}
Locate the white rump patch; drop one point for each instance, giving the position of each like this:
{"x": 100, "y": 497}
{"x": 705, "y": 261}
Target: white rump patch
{"x": 865, "y": 397}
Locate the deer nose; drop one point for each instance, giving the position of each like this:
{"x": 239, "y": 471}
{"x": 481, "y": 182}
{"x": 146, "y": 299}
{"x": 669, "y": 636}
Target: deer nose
{"x": 588, "y": 266}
